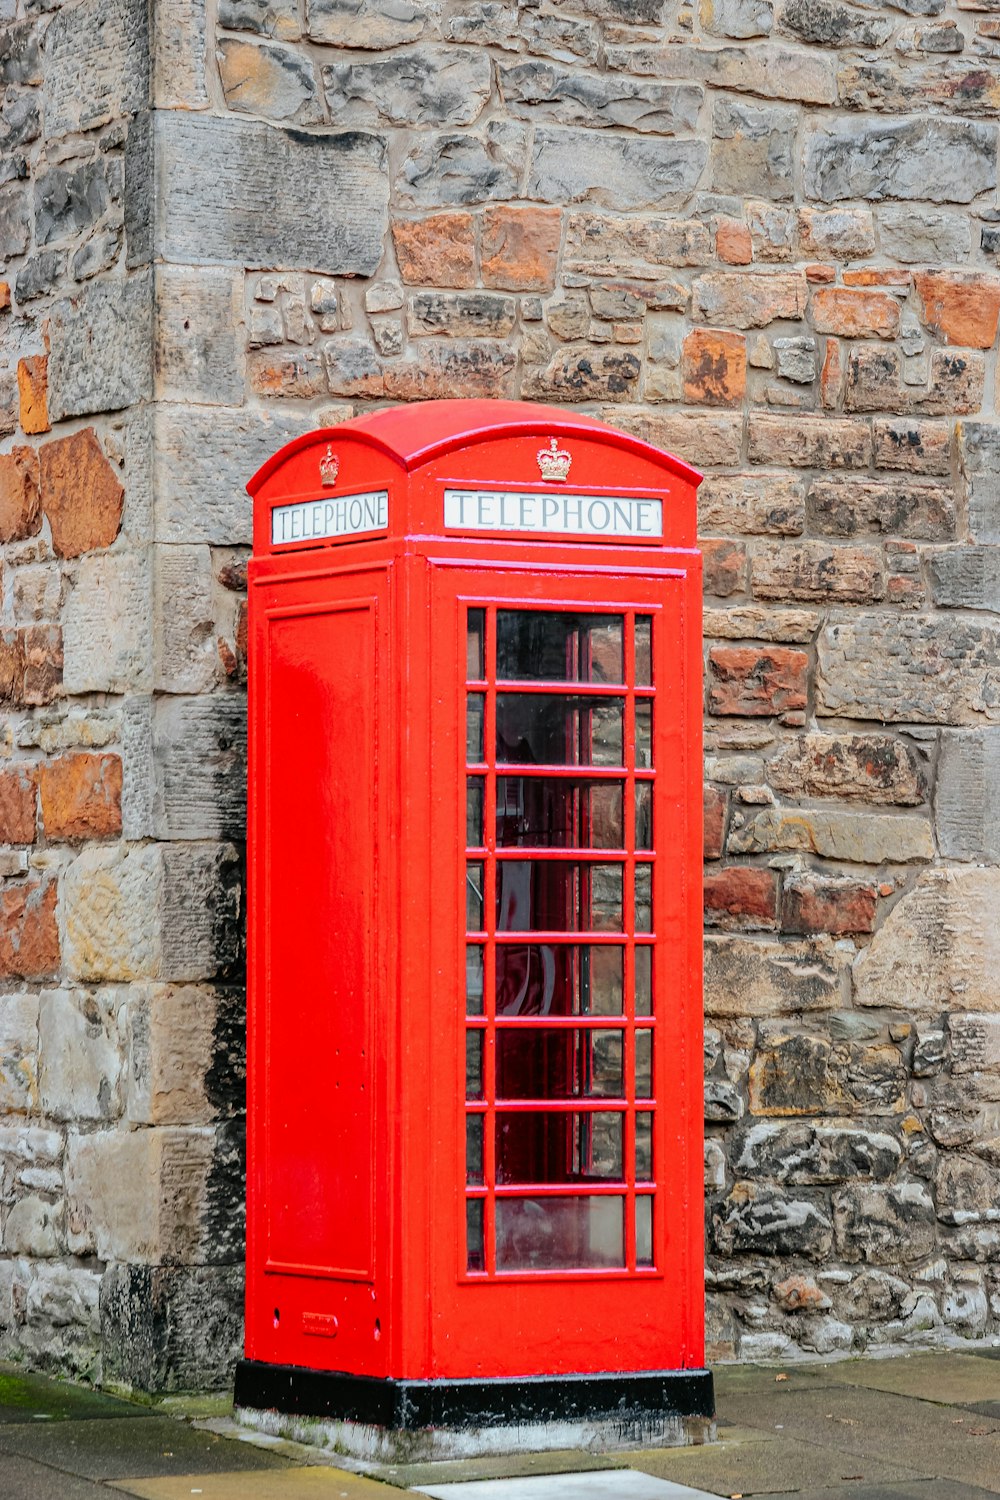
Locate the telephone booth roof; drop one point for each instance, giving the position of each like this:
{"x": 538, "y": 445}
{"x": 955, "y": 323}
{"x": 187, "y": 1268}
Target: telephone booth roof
{"x": 420, "y": 432}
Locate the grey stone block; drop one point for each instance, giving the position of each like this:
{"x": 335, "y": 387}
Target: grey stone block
{"x": 737, "y": 18}
{"x": 967, "y": 800}
{"x": 244, "y": 192}
{"x": 946, "y": 161}
{"x": 447, "y": 169}
{"x": 96, "y": 64}
{"x": 171, "y": 1328}
{"x": 200, "y": 922}
{"x": 545, "y": 91}
{"x": 424, "y": 86}
{"x": 827, "y": 23}
{"x": 179, "y": 55}
{"x": 186, "y": 659}
{"x": 15, "y": 221}
{"x": 19, "y": 55}
{"x": 617, "y": 171}
{"x": 107, "y": 635}
{"x": 966, "y": 577}
{"x": 918, "y": 235}
{"x": 372, "y": 24}
{"x": 101, "y": 348}
{"x": 753, "y": 149}
{"x": 40, "y": 275}
{"x": 979, "y": 450}
{"x": 69, "y": 201}
{"x": 198, "y": 352}
{"x": 205, "y": 458}
{"x": 277, "y": 18}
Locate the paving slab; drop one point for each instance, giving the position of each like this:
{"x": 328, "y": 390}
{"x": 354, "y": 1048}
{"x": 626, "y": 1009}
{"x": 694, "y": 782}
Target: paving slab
{"x": 36, "y": 1398}
{"x": 768, "y": 1468}
{"x": 503, "y": 1466}
{"x": 951, "y": 1379}
{"x": 622, "y": 1484}
{"x": 738, "y": 1379}
{"x": 99, "y": 1449}
{"x": 319, "y": 1483}
{"x": 23, "y": 1479}
{"x": 934, "y": 1442}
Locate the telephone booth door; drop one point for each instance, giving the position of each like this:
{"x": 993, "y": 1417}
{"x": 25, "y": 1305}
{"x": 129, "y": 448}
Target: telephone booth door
{"x": 571, "y": 775}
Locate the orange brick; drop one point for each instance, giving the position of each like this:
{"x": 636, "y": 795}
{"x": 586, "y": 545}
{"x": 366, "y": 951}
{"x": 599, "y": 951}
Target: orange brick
{"x": 82, "y": 495}
{"x": 877, "y": 276}
{"x": 33, "y": 390}
{"x": 20, "y": 512}
{"x": 963, "y": 307}
{"x": 743, "y": 892}
{"x": 733, "y": 243}
{"x": 831, "y": 380}
{"x": 29, "y": 937}
{"x": 436, "y": 251}
{"x": 714, "y": 367}
{"x": 81, "y": 796}
{"x": 18, "y": 799}
{"x": 855, "y": 314}
{"x": 4, "y": 296}
{"x": 818, "y": 274}
{"x": 725, "y": 566}
{"x": 715, "y": 821}
{"x": 520, "y": 247}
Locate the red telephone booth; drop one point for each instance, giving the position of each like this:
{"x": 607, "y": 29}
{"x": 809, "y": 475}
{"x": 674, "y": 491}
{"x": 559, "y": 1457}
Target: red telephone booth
{"x": 475, "y": 1033}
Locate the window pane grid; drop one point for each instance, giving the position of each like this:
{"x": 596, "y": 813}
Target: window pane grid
{"x": 563, "y": 1085}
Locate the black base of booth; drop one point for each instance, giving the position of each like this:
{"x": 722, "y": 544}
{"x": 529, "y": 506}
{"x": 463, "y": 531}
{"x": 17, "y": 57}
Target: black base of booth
{"x": 410, "y": 1405}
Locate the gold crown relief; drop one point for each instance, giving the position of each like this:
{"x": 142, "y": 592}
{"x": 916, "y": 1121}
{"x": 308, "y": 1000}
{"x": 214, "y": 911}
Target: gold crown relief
{"x": 329, "y": 467}
{"x": 554, "y": 461}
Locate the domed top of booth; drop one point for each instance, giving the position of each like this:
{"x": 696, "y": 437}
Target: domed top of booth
{"x": 420, "y": 432}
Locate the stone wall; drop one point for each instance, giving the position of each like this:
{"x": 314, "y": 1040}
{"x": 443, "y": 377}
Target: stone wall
{"x": 762, "y": 235}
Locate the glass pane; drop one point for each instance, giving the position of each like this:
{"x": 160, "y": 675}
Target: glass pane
{"x": 541, "y": 646}
{"x": 474, "y": 895}
{"x": 540, "y": 1063}
{"x": 643, "y": 734}
{"x": 644, "y": 1064}
{"x": 473, "y": 980}
{"x": 539, "y": 1146}
{"x": 643, "y": 651}
{"x": 644, "y": 815}
{"x": 474, "y": 791}
{"x": 474, "y": 1150}
{"x": 556, "y": 1234}
{"x": 474, "y": 1240}
{"x": 475, "y": 633}
{"x": 644, "y": 981}
{"x": 565, "y": 979}
{"x": 552, "y": 895}
{"x": 475, "y": 718}
{"x": 550, "y": 729}
{"x": 644, "y": 1231}
{"x": 545, "y": 812}
{"x": 473, "y": 1064}
{"x": 644, "y": 898}
{"x": 644, "y": 1147}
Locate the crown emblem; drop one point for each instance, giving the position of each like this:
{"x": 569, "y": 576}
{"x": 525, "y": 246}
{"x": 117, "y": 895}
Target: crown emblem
{"x": 329, "y": 467}
{"x": 554, "y": 461}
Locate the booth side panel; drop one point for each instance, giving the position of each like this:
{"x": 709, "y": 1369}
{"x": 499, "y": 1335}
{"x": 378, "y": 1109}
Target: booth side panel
{"x": 314, "y": 1089}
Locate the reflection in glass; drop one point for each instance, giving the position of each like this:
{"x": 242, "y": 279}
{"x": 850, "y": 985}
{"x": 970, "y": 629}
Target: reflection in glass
{"x": 540, "y": 1146}
{"x": 475, "y": 744}
{"x": 644, "y": 981}
{"x": 644, "y": 1231}
{"x": 555, "y": 1234}
{"x": 549, "y": 729}
{"x": 644, "y": 815}
{"x": 644, "y": 898}
{"x": 474, "y": 895}
{"x": 474, "y": 811}
{"x": 547, "y": 646}
{"x": 473, "y": 1064}
{"x": 542, "y": 1063}
{"x": 565, "y": 979}
{"x": 644, "y": 1146}
{"x": 643, "y": 651}
{"x": 475, "y": 634}
{"x": 474, "y": 1239}
{"x": 644, "y": 734}
{"x": 474, "y": 1150}
{"x": 644, "y": 1064}
{"x": 545, "y": 812}
{"x": 473, "y": 980}
{"x": 547, "y": 895}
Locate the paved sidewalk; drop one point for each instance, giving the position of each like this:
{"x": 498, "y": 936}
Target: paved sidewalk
{"x": 917, "y": 1427}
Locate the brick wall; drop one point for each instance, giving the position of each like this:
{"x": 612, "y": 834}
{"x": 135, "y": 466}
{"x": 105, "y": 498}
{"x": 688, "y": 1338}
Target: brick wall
{"x": 762, "y": 235}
